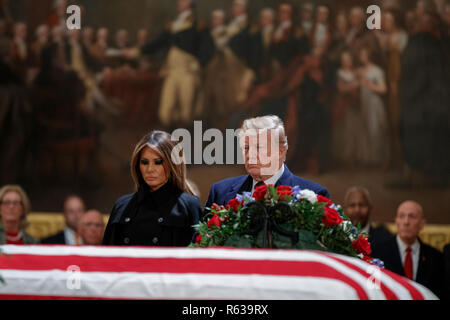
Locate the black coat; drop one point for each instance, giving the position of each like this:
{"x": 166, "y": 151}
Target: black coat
{"x": 447, "y": 270}
{"x": 58, "y": 238}
{"x": 161, "y": 218}
{"x": 430, "y": 272}
{"x": 378, "y": 235}
{"x": 187, "y": 40}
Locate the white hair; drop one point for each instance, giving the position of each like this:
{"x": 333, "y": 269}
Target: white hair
{"x": 268, "y": 10}
{"x": 263, "y": 124}
{"x": 241, "y": 2}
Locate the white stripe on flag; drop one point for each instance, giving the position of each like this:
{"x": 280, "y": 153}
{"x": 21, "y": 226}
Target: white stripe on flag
{"x": 175, "y": 286}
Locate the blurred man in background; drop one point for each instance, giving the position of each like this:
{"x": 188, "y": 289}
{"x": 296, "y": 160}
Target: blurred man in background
{"x": 73, "y": 210}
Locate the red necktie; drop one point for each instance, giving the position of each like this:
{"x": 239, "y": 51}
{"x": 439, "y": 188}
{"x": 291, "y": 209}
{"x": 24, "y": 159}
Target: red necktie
{"x": 408, "y": 266}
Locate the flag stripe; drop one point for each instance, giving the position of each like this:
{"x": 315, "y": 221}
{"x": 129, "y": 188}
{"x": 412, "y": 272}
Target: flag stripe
{"x": 167, "y": 265}
{"x": 175, "y": 286}
{"x": 329, "y": 276}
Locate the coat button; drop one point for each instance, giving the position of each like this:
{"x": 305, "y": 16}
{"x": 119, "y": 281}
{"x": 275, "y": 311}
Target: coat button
{"x": 126, "y": 240}
{"x": 127, "y": 219}
{"x": 160, "y": 220}
{"x": 155, "y": 240}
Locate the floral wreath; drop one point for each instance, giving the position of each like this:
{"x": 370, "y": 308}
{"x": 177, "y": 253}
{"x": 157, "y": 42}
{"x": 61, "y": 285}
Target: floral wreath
{"x": 283, "y": 217}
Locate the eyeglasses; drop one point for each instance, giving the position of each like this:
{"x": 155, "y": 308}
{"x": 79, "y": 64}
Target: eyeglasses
{"x": 11, "y": 203}
{"x": 91, "y": 224}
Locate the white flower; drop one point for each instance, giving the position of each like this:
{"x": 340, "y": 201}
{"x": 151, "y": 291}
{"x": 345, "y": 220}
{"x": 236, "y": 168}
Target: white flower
{"x": 308, "y": 195}
{"x": 347, "y": 227}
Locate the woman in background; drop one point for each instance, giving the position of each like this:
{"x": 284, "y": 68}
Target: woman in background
{"x": 373, "y": 114}
{"x": 14, "y": 208}
{"x": 164, "y": 209}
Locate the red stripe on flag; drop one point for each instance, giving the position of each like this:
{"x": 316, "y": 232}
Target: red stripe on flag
{"x": 415, "y": 294}
{"x": 180, "y": 266}
{"x": 390, "y": 295}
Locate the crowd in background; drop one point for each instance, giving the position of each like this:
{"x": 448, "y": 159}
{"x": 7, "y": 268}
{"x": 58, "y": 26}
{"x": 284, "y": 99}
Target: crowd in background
{"x": 427, "y": 265}
{"x": 349, "y": 95}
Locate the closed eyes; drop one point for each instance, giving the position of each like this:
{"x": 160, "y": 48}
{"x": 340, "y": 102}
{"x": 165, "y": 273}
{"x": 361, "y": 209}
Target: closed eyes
{"x": 146, "y": 162}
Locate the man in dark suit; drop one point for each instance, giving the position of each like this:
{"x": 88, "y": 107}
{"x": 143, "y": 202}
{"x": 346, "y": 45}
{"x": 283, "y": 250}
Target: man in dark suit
{"x": 264, "y": 145}
{"x": 447, "y": 270}
{"x": 406, "y": 255}
{"x": 180, "y": 41}
{"x": 358, "y": 207}
{"x": 73, "y": 210}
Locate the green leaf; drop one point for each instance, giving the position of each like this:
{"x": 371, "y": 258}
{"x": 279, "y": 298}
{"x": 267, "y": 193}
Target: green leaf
{"x": 238, "y": 242}
{"x": 307, "y": 236}
{"x": 280, "y": 241}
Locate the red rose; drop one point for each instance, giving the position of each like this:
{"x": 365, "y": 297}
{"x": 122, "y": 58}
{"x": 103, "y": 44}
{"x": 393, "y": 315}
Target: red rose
{"x": 362, "y": 245}
{"x": 215, "y": 207}
{"x": 321, "y": 198}
{"x": 215, "y": 221}
{"x": 284, "y": 191}
{"x": 234, "y": 204}
{"x": 198, "y": 239}
{"x": 331, "y": 217}
{"x": 260, "y": 192}
{"x": 367, "y": 259}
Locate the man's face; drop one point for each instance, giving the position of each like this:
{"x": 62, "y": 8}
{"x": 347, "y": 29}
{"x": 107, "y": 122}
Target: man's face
{"x": 266, "y": 18}
{"x": 322, "y": 14}
{"x": 356, "y": 17}
{"x": 409, "y": 221}
{"x": 237, "y": 9}
{"x": 217, "y": 19}
{"x": 306, "y": 13}
{"x": 285, "y": 12}
{"x": 183, "y": 5}
{"x": 91, "y": 228}
{"x": 263, "y": 154}
{"x": 73, "y": 210}
{"x": 357, "y": 208}
{"x": 446, "y": 15}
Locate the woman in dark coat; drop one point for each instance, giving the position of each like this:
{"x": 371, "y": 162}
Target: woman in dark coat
{"x": 164, "y": 209}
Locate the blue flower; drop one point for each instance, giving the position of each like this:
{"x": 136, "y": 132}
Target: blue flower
{"x": 296, "y": 193}
{"x": 247, "y": 197}
{"x": 379, "y": 263}
{"x": 239, "y": 197}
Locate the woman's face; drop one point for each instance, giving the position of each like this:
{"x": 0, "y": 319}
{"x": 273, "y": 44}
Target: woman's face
{"x": 364, "y": 57}
{"x": 11, "y": 207}
{"x": 341, "y": 23}
{"x": 346, "y": 60}
{"x": 152, "y": 169}
{"x": 388, "y": 22}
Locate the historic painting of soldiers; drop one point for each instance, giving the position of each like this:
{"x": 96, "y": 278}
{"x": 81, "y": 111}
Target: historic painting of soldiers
{"x": 364, "y": 95}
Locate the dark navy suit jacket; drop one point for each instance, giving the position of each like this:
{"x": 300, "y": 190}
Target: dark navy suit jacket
{"x": 223, "y": 191}
{"x": 430, "y": 272}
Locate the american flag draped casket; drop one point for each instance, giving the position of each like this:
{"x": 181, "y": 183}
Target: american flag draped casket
{"x": 65, "y": 272}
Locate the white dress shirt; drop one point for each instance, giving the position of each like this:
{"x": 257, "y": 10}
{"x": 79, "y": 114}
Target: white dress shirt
{"x": 279, "y": 32}
{"x": 181, "y": 19}
{"x": 71, "y": 237}
{"x": 272, "y": 180}
{"x": 415, "y": 253}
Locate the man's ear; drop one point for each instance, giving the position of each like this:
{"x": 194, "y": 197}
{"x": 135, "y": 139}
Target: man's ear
{"x": 423, "y": 223}
{"x": 283, "y": 152}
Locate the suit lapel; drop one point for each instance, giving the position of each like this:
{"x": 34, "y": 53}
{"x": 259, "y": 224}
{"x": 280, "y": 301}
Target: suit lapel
{"x": 285, "y": 179}
{"x": 422, "y": 263}
{"x": 242, "y": 184}
{"x": 397, "y": 265}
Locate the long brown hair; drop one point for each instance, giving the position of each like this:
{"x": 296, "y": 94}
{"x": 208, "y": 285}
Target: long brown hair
{"x": 162, "y": 143}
